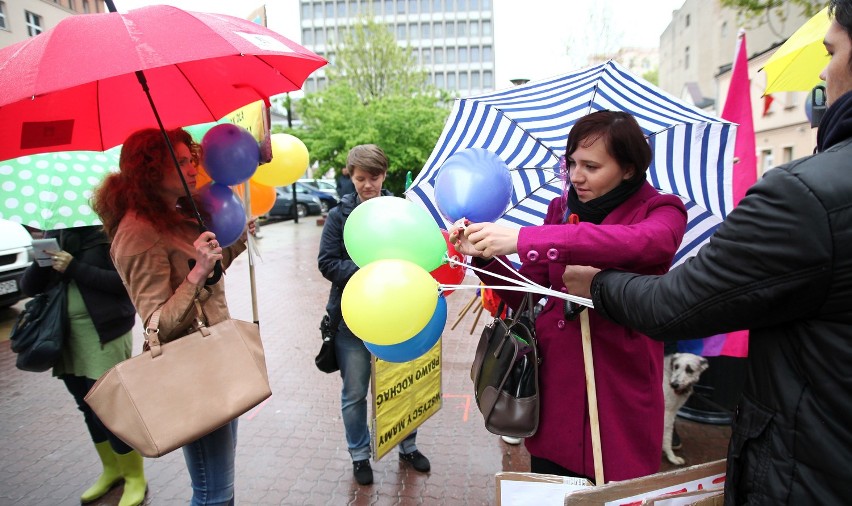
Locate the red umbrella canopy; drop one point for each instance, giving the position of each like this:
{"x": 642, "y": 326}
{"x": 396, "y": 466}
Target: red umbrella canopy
{"x": 75, "y": 86}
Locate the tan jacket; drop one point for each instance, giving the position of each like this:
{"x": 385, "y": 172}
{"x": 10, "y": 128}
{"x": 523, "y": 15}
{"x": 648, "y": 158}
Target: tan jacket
{"x": 154, "y": 266}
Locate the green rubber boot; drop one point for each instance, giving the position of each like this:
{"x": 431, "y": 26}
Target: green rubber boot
{"x": 133, "y": 469}
{"x": 109, "y": 479}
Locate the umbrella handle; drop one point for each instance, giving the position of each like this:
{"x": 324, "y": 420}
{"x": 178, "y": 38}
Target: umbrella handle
{"x": 217, "y": 272}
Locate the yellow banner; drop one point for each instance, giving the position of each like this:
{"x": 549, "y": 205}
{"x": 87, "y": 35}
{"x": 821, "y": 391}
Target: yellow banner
{"x": 254, "y": 118}
{"x": 404, "y": 396}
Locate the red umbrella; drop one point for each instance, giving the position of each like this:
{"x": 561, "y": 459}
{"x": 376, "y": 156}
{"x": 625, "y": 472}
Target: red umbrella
{"x": 76, "y": 86}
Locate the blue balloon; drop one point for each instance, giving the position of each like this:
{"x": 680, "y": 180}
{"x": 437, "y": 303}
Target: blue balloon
{"x": 227, "y": 215}
{"x": 422, "y": 342}
{"x": 473, "y": 183}
{"x": 231, "y": 154}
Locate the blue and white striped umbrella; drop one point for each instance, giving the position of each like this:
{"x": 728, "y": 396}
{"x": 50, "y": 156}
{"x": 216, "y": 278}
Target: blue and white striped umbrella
{"x": 527, "y": 127}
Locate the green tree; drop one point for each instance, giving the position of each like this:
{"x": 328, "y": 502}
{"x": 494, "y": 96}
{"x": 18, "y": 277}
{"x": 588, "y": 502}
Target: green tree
{"x": 652, "y": 76}
{"x": 369, "y": 60}
{"x": 376, "y": 95}
{"x": 756, "y": 8}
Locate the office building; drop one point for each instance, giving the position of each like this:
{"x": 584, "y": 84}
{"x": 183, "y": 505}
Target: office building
{"x": 452, "y": 40}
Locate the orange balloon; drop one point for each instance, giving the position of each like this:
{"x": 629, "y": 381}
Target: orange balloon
{"x": 202, "y": 178}
{"x": 262, "y": 197}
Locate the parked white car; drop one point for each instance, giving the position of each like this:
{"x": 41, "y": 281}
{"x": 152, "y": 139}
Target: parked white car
{"x": 16, "y": 254}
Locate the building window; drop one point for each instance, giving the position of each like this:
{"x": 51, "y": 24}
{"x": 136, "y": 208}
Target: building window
{"x": 474, "y": 29}
{"x": 388, "y": 7}
{"x": 318, "y": 10}
{"x": 687, "y": 20}
{"x": 486, "y": 54}
{"x": 307, "y": 37}
{"x": 437, "y": 7}
{"x": 463, "y": 82}
{"x": 724, "y": 32}
{"x": 788, "y": 154}
{"x": 461, "y": 5}
{"x": 400, "y": 31}
{"x": 486, "y": 5}
{"x": 439, "y": 79}
{"x": 341, "y": 8}
{"x": 486, "y": 28}
{"x": 451, "y": 55}
{"x": 329, "y": 10}
{"x": 686, "y": 57}
{"x": 3, "y": 24}
{"x": 400, "y": 6}
{"x": 310, "y": 85}
{"x": 33, "y": 24}
{"x": 319, "y": 35}
{"x": 321, "y": 83}
{"x": 377, "y": 7}
{"x": 487, "y": 79}
{"x": 412, "y": 6}
{"x": 766, "y": 159}
{"x": 306, "y": 11}
{"x": 414, "y": 31}
{"x": 451, "y": 80}
{"x": 475, "y": 82}
{"x": 425, "y": 30}
{"x": 424, "y": 8}
{"x": 427, "y": 56}
{"x": 438, "y": 30}
{"x": 463, "y": 55}
{"x": 461, "y": 28}
{"x": 439, "y": 55}
{"x": 474, "y": 55}
{"x": 86, "y": 9}
{"x": 474, "y": 5}
{"x": 450, "y": 29}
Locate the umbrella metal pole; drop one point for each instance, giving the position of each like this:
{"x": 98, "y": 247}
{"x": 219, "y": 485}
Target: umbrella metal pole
{"x": 250, "y": 239}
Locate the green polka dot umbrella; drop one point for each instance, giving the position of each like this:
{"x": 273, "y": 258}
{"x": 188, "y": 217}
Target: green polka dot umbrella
{"x": 52, "y": 190}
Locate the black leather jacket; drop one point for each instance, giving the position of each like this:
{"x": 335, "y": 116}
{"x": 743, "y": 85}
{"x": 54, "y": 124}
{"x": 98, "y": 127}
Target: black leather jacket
{"x": 781, "y": 266}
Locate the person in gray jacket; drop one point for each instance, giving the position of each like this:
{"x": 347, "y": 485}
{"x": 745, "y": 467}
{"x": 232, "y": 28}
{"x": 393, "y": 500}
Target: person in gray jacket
{"x": 781, "y": 266}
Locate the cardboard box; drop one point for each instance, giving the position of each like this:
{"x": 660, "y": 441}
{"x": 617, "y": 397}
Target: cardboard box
{"x": 705, "y": 479}
{"x": 521, "y": 489}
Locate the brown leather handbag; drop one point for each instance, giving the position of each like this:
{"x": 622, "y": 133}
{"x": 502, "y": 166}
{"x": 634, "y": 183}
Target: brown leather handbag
{"x": 174, "y": 393}
{"x": 505, "y": 374}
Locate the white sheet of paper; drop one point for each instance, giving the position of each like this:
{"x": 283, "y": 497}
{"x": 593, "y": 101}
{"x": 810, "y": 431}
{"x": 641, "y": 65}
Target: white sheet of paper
{"x": 527, "y": 493}
{"x": 39, "y": 248}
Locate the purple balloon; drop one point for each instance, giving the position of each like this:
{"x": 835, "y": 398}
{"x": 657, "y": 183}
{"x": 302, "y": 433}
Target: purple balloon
{"x": 227, "y": 215}
{"x": 422, "y": 342}
{"x": 231, "y": 154}
{"x": 473, "y": 183}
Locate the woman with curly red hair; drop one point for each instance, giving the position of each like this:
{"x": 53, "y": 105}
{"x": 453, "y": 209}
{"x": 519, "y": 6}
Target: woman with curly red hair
{"x": 164, "y": 262}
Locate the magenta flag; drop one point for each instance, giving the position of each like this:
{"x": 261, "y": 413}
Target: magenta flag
{"x": 737, "y": 110}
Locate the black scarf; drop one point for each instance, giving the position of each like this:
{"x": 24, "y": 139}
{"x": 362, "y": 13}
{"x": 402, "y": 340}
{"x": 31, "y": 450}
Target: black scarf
{"x": 75, "y": 240}
{"x": 836, "y": 125}
{"x": 595, "y": 210}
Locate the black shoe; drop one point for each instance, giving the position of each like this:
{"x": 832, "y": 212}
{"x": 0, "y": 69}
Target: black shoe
{"x": 676, "y": 444}
{"x": 363, "y": 472}
{"x": 417, "y": 460}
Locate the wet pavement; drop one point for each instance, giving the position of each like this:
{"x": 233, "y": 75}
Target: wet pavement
{"x": 291, "y": 448}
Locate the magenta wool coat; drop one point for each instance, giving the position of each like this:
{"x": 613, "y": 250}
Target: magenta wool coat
{"x": 641, "y": 235}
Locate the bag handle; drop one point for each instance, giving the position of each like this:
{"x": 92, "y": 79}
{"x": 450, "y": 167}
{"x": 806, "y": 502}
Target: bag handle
{"x": 152, "y": 330}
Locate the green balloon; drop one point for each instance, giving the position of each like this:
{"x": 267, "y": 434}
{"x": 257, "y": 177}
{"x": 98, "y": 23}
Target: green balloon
{"x": 394, "y": 228}
{"x": 198, "y": 131}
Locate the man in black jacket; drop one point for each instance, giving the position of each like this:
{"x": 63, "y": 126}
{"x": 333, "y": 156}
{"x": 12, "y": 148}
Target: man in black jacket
{"x": 781, "y": 266}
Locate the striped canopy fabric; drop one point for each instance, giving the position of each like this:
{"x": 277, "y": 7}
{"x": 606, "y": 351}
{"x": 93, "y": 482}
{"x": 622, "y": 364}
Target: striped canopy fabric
{"x": 527, "y": 127}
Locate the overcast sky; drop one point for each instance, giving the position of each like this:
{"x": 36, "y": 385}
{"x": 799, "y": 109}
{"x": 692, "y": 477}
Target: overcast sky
{"x": 534, "y": 39}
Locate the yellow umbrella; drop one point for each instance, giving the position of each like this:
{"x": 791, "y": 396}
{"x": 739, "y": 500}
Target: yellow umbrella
{"x": 795, "y": 66}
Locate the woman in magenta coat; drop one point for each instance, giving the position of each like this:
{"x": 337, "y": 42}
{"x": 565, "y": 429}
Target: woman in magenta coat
{"x": 624, "y": 223}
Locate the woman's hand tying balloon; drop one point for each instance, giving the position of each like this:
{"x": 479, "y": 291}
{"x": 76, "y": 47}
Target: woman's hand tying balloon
{"x": 489, "y": 239}
{"x": 460, "y": 242}
{"x": 207, "y": 252}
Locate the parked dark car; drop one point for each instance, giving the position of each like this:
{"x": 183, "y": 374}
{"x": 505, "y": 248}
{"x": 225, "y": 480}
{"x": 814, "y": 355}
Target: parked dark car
{"x": 327, "y": 200}
{"x": 306, "y": 204}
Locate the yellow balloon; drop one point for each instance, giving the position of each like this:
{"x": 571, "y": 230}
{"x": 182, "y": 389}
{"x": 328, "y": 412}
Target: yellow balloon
{"x": 389, "y": 301}
{"x": 289, "y": 162}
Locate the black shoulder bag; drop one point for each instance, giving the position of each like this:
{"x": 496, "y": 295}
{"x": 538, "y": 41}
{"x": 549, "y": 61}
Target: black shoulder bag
{"x": 40, "y": 330}
{"x": 326, "y": 359}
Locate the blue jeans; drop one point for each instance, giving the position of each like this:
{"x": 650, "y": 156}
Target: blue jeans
{"x": 354, "y": 361}
{"x": 210, "y": 462}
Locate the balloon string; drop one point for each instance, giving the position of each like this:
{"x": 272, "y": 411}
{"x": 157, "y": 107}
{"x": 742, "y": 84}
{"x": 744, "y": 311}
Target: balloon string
{"x": 528, "y": 286}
